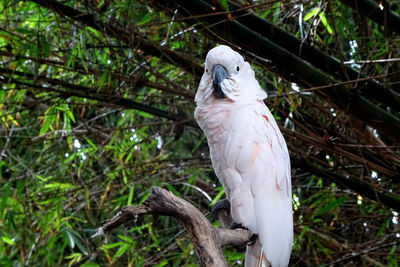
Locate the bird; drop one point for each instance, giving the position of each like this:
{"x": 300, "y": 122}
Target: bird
{"x": 248, "y": 153}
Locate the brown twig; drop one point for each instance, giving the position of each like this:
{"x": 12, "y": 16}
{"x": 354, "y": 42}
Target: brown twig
{"x": 207, "y": 239}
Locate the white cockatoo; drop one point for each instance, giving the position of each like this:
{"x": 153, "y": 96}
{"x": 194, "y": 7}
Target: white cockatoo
{"x": 248, "y": 153}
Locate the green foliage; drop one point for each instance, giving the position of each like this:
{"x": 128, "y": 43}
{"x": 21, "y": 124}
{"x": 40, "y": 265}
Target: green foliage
{"x": 73, "y": 150}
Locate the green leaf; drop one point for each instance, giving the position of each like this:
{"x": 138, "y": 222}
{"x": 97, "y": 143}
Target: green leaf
{"x": 325, "y": 23}
{"x": 224, "y": 3}
{"x": 113, "y": 245}
{"x": 7, "y": 240}
{"x": 87, "y": 199}
{"x": 59, "y": 186}
{"x": 266, "y": 13}
{"x": 332, "y": 205}
{"x": 177, "y": 45}
{"x": 4, "y": 199}
{"x": 42, "y": 178}
{"x": 173, "y": 190}
{"x": 139, "y": 228}
{"x": 48, "y": 121}
{"x": 201, "y": 140}
{"x": 383, "y": 226}
{"x": 89, "y": 264}
{"x": 74, "y": 258}
{"x": 122, "y": 249}
{"x": 146, "y": 18}
{"x": 126, "y": 239}
{"x": 130, "y": 196}
{"x": 144, "y": 114}
{"x": 311, "y": 14}
{"x": 305, "y": 228}
{"x": 218, "y": 196}
{"x": 100, "y": 3}
{"x": 277, "y": 7}
{"x": 90, "y": 142}
{"x": 73, "y": 255}
{"x": 103, "y": 78}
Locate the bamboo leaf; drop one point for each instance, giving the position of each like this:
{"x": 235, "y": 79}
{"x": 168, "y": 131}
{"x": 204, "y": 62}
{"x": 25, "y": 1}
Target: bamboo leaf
{"x": 48, "y": 121}
{"x": 312, "y": 13}
{"x": 303, "y": 231}
{"x": 332, "y": 205}
{"x": 122, "y": 249}
{"x": 130, "y": 196}
{"x": 325, "y": 23}
{"x": 224, "y": 3}
{"x": 218, "y": 196}
{"x": 7, "y": 240}
{"x": 146, "y": 18}
{"x": 59, "y": 186}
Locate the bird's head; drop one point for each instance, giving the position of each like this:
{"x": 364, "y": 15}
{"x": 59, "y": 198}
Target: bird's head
{"x": 226, "y": 75}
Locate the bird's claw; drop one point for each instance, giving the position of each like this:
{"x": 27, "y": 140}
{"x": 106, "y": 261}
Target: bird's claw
{"x": 252, "y": 240}
{"x": 236, "y": 225}
{"x": 221, "y": 205}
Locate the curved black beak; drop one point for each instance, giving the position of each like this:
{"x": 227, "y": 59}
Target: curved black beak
{"x": 218, "y": 75}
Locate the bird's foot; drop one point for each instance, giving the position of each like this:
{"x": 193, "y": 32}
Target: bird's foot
{"x": 221, "y": 205}
{"x": 252, "y": 239}
{"x": 236, "y": 225}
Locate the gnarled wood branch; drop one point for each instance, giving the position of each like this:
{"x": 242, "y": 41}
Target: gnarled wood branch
{"x": 207, "y": 239}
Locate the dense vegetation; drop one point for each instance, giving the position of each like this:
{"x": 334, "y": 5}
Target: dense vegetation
{"x": 96, "y": 106}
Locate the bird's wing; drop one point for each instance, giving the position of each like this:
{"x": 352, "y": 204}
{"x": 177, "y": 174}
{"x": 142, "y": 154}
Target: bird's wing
{"x": 259, "y": 157}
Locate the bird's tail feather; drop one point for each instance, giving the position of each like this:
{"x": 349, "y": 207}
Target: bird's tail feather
{"x": 255, "y": 256}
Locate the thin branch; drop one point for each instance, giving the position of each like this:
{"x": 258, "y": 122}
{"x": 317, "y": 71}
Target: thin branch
{"x": 361, "y": 253}
{"x": 119, "y": 76}
{"x": 377, "y": 12}
{"x": 351, "y": 102}
{"x": 332, "y": 148}
{"x": 297, "y": 47}
{"x": 386, "y": 198}
{"x": 129, "y": 35}
{"x": 89, "y": 93}
{"x": 207, "y": 240}
{"x": 317, "y": 88}
{"x": 385, "y": 60}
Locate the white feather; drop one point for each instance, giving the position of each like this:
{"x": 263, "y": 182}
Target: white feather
{"x": 249, "y": 156}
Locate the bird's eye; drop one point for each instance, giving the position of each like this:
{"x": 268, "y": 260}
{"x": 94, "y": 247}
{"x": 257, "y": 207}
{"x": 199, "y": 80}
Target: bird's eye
{"x": 207, "y": 70}
{"x": 237, "y": 68}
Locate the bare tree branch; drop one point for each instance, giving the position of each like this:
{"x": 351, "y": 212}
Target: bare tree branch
{"x": 299, "y": 71}
{"x": 378, "y": 12}
{"x": 207, "y": 239}
{"x": 130, "y": 36}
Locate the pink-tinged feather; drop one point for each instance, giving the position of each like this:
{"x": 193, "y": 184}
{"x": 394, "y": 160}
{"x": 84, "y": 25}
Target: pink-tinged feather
{"x": 249, "y": 156}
